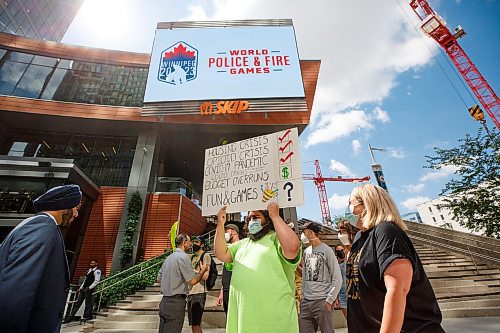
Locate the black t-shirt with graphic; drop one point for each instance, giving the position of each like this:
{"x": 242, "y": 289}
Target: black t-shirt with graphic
{"x": 372, "y": 252}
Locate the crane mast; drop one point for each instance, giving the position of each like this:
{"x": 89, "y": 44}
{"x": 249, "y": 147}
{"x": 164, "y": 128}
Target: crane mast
{"x": 319, "y": 181}
{"x": 435, "y": 27}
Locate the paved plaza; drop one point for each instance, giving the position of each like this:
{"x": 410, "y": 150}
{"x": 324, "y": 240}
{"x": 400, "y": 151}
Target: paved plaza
{"x": 453, "y": 325}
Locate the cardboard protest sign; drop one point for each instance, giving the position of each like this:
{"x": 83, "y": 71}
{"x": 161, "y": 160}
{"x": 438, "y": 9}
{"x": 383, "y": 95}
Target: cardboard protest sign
{"x": 247, "y": 174}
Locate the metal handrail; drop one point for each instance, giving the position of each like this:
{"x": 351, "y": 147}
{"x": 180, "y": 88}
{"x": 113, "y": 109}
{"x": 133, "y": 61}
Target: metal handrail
{"x": 131, "y": 268}
{"x": 127, "y": 277}
{"x": 124, "y": 280}
{"x": 468, "y": 245}
{"x": 457, "y": 249}
{"x": 209, "y": 236}
{"x": 419, "y": 227}
{"x": 205, "y": 236}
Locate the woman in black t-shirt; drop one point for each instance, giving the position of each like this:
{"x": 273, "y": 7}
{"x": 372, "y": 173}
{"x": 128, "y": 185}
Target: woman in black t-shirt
{"x": 387, "y": 288}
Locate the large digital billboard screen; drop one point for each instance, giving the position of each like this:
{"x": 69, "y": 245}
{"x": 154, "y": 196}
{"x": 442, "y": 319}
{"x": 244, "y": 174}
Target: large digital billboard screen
{"x": 224, "y": 63}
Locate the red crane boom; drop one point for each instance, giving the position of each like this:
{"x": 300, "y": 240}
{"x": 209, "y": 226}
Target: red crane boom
{"x": 319, "y": 181}
{"x": 434, "y": 26}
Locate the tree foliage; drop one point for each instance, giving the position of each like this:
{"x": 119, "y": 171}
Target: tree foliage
{"x": 134, "y": 210}
{"x": 474, "y": 195}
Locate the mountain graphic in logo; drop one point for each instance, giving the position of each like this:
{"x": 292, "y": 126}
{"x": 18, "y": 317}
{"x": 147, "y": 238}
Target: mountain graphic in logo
{"x": 178, "y": 64}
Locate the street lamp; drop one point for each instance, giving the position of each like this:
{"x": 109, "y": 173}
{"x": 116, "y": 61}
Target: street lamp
{"x": 377, "y": 169}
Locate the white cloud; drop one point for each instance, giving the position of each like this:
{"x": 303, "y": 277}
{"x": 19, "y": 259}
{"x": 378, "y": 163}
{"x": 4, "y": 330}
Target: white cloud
{"x": 341, "y": 168}
{"x": 337, "y": 125}
{"x": 411, "y": 203}
{"x": 356, "y": 146}
{"x": 352, "y": 73}
{"x": 338, "y": 202}
{"x": 396, "y": 153}
{"x": 444, "y": 172}
{"x": 381, "y": 115}
{"x": 410, "y": 188}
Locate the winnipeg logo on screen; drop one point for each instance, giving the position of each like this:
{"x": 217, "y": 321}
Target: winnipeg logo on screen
{"x": 178, "y": 64}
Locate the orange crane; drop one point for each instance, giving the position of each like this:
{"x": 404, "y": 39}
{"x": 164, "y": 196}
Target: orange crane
{"x": 435, "y": 27}
{"x": 319, "y": 181}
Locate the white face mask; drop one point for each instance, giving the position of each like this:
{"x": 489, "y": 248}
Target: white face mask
{"x": 227, "y": 236}
{"x": 254, "y": 226}
{"x": 304, "y": 238}
{"x": 344, "y": 239}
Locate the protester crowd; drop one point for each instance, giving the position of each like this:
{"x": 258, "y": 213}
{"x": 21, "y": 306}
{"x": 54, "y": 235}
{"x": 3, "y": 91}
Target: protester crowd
{"x": 374, "y": 276}
{"x": 272, "y": 280}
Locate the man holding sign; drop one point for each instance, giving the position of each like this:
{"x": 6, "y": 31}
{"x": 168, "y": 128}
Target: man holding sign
{"x": 261, "y": 297}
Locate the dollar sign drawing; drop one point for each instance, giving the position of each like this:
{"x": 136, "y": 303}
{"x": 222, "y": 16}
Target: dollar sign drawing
{"x": 285, "y": 172}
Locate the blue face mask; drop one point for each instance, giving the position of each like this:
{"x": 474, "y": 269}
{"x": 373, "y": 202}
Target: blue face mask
{"x": 350, "y": 217}
{"x": 254, "y": 226}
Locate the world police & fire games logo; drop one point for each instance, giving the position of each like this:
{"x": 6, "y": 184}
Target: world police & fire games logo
{"x": 178, "y": 64}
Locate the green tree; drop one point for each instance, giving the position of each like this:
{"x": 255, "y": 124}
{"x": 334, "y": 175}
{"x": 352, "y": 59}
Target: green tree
{"x": 474, "y": 196}
{"x": 134, "y": 210}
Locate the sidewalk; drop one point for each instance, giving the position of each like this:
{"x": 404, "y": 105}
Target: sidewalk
{"x": 453, "y": 325}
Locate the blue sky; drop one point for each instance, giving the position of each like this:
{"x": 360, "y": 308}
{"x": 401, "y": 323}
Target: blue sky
{"x": 379, "y": 82}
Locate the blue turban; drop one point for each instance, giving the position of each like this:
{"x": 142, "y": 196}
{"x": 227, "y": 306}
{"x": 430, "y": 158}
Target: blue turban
{"x": 58, "y": 198}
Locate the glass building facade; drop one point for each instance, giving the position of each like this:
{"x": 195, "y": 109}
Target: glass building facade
{"x": 35, "y": 76}
{"x": 107, "y": 161}
{"x": 41, "y": 19}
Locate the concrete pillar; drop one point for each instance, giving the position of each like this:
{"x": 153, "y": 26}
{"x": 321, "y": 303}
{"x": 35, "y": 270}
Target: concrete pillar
{"x": 290, "y": 214}
{"x": 138, "y": 181}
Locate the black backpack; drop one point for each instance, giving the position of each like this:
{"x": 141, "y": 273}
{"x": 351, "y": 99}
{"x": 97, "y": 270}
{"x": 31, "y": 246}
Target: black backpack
{"x": 212, "y": 275}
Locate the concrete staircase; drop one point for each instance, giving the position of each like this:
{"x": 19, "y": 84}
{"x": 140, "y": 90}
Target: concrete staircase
{"x": 138, "y": 313}
{"x": 463, "y": 288}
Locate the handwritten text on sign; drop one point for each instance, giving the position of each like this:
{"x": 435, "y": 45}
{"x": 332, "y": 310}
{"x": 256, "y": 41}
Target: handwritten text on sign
{"x": 245, "y": 175}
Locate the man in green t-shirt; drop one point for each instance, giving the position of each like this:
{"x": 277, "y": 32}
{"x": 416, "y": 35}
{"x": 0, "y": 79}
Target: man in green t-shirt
{"x": 261, "y": 297}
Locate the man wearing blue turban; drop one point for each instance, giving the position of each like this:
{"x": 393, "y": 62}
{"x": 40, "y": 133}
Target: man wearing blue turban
{"x": 34, "y": 276}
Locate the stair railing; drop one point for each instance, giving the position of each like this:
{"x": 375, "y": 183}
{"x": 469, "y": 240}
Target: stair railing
{"x": 209, "y": 238}
{"x": 144, "y": 271}
{"x": 140, "y": 269}
{"x": 459, "y": 250}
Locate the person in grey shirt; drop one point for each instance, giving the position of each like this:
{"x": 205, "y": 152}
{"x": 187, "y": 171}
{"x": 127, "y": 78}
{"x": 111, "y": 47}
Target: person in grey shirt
{"x": 174, "y": 276}
{"x": 321, "y": 282}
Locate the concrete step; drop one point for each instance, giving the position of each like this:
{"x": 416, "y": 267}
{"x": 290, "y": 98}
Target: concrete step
{"x": 461, "y": 290}
{"x": 137, "y": 311}
{"x": 114, "y": 317}
{"x": 452, "y": 283}
{"x": 150, "y": 297}
{"x": 471, "y": 312}
{"x": 99, "y": 323}
{"x": 475, "y": 303}
{"x": 462, "y": 273}
{"x": 460, "y": 294}
{"x": 137, "y": 304}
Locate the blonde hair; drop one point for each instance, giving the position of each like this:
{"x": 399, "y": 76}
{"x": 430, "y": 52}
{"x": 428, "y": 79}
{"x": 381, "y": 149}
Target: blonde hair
{"x": 379, "y": 206}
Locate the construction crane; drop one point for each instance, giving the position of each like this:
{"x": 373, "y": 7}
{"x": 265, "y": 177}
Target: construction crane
{"x": 319, "y": 181}
{"x": 434, "y": 26}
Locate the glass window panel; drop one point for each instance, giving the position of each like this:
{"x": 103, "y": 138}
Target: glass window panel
{"x": 54, "y": 83}
{"x": 11, "y": 28}
{"x": 64, "y": 63}
{"x": 32, "y": 81}
{"x": 44, "y": 61}
{"x": 20, "y": 57}
{"x": 20, "y": 16}
{"x": 10, "y": 73}
{"x": 4, "y": 18}
{"x": 17, "y": 149}
{"x": 13, "y": 7}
